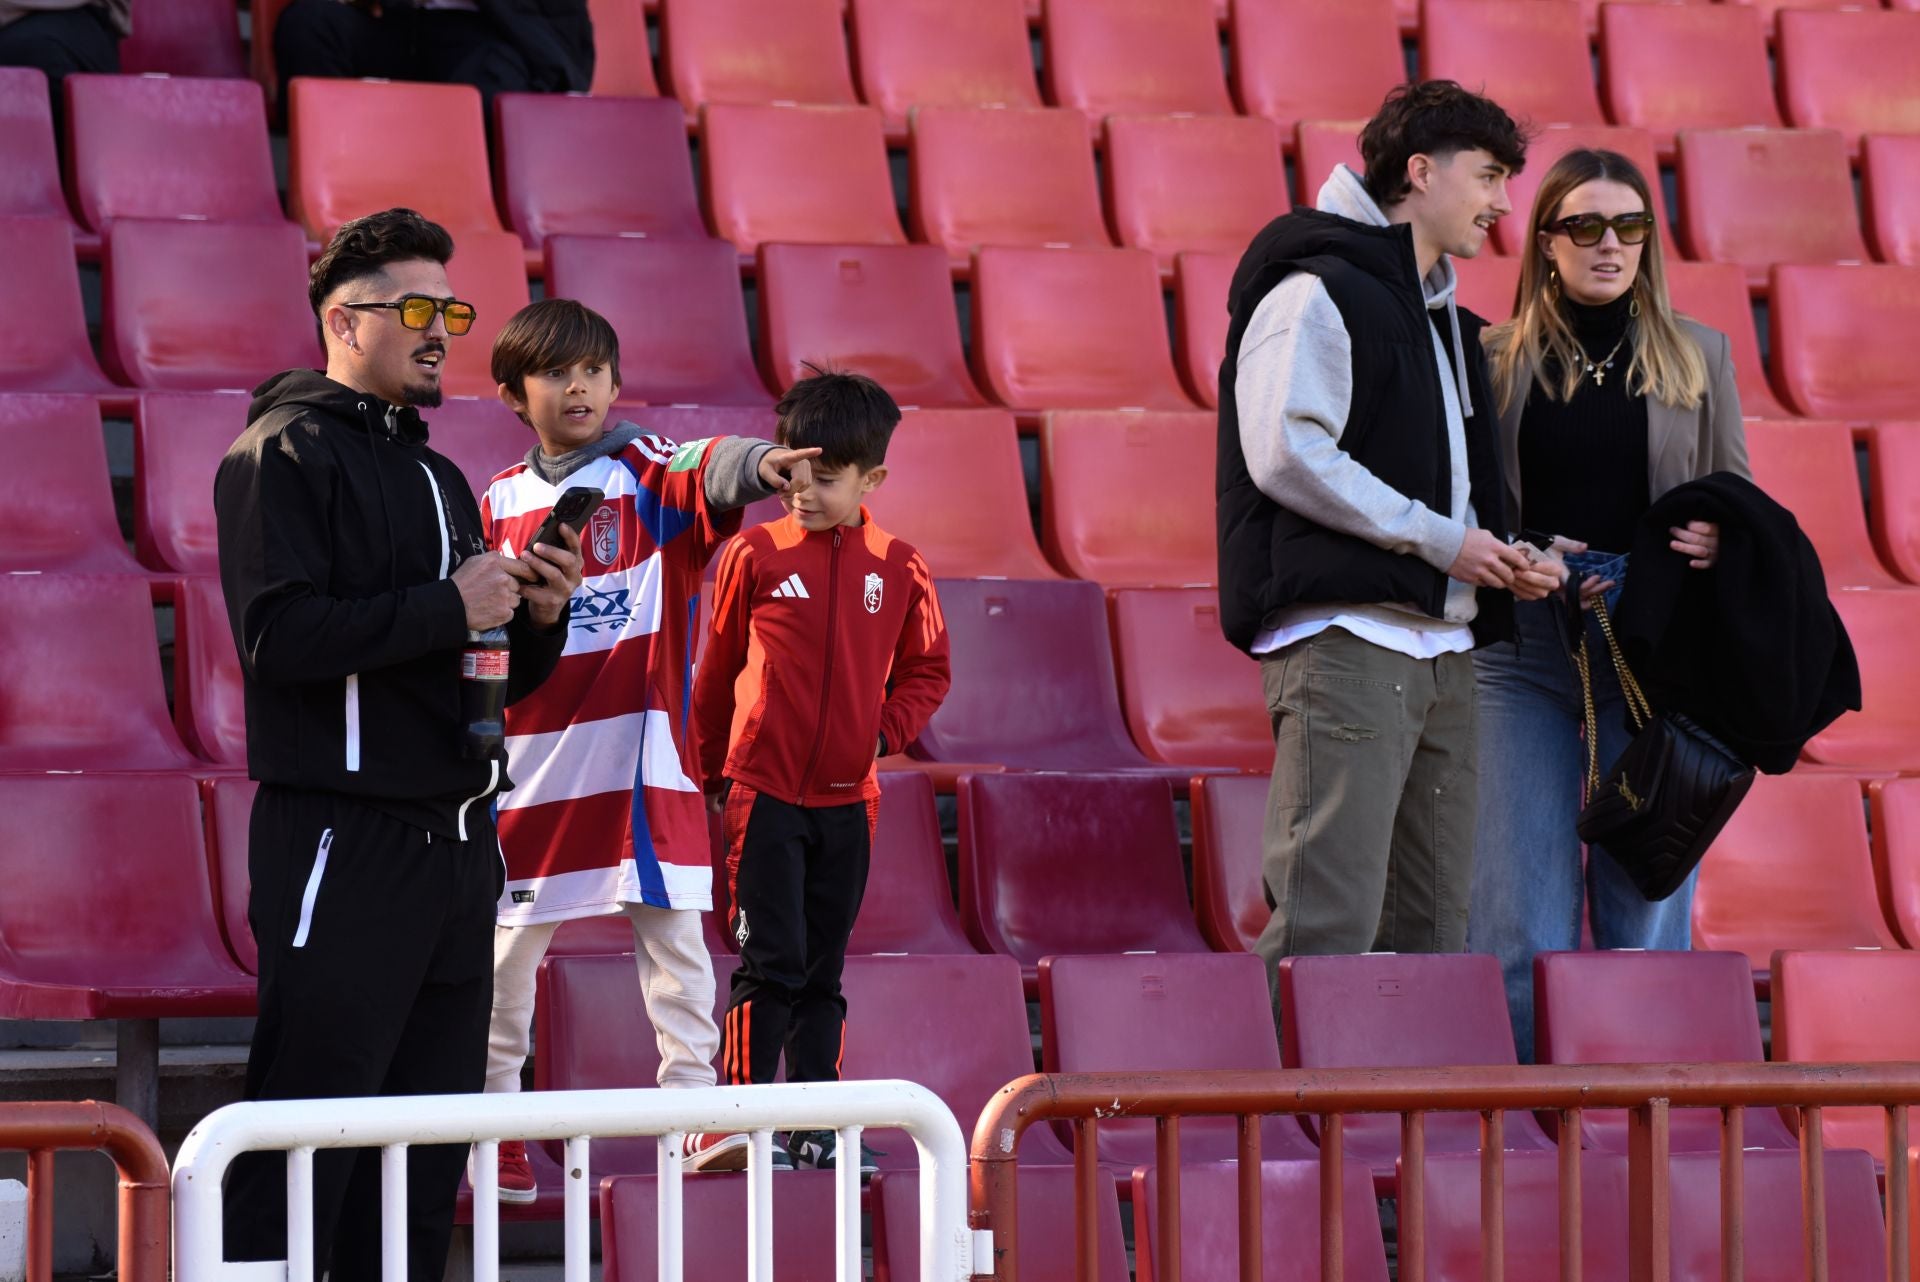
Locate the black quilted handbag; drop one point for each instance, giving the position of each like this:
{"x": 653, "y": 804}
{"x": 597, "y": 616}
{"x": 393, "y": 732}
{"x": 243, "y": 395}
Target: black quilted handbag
{"x": 1669, "y": 794}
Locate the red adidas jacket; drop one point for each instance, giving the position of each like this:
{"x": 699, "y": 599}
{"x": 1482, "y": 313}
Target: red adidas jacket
{"x": 823, "y": 642}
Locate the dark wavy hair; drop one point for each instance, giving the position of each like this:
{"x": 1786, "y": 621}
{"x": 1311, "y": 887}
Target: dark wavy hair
{"x": 1433, "y": 118}
{"x": 553, "y": 334}
{"x": 848, "y": 416}
{"x": 367, "y": 246}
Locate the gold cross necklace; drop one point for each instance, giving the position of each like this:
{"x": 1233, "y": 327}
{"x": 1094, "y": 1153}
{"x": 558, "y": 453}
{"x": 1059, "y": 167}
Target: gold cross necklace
{"x": 1599, "y": 371}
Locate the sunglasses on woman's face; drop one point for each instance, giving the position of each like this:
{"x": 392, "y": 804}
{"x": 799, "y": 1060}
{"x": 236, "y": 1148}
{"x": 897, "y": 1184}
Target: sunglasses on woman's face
{"x": 1588, "y": 230}
{"x": 417, "y": 311}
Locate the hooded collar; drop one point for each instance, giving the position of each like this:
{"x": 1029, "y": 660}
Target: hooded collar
{"x": 1345, "y": 194}
{"x": 362, "y": 410}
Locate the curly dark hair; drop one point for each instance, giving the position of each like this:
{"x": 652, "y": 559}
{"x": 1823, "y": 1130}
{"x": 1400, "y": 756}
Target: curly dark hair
{"x": 1434, "y": 118}
{"x": 366, "y": 246}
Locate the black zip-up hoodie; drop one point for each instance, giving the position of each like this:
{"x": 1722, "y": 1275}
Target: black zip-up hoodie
{"x": 339, "y": 530}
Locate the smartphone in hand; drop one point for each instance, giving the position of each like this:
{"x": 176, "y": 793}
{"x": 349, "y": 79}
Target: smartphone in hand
{"x": 572, "y": 508}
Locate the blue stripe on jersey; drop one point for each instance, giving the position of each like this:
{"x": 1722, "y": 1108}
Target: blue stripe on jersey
{"x": 662, "y": 523}
{"x": 646, "y": 860}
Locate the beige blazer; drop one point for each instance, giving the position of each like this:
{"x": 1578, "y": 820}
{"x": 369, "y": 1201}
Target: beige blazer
{"x": 1682, "y": 445}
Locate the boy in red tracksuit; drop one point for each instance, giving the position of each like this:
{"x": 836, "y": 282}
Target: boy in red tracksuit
{"x": 828, "y": 651}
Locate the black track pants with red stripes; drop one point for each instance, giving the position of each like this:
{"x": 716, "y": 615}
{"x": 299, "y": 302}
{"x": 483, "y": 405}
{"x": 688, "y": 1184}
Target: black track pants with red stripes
{"x": 796, "y": 874}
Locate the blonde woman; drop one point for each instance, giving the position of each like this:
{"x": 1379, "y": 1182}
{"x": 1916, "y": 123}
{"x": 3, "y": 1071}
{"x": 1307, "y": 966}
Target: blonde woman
{"x": 1607, "y": 400}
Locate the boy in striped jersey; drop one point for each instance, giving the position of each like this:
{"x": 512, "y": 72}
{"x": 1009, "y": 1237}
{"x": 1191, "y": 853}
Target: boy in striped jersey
{"x": 607, "y": 817}
{"x": 828, "y": 651}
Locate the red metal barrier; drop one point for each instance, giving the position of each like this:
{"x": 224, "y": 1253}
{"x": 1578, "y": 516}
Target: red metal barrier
{"x": 41, "y": 1129}
{"x": 1649, "y": 1092}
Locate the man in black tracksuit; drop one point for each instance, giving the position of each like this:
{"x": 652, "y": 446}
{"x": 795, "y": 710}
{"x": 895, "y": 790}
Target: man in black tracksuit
{"x": 354, "y": 568}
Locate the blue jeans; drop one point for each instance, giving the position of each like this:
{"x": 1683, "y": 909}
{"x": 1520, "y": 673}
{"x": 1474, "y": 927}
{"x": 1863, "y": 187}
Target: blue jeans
{"x": 1529, "y": 887}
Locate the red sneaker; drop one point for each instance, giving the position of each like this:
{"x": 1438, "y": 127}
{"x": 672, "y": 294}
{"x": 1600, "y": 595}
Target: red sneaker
{"x": 517, "y": 1184}
{"x": 715, "y": 1152}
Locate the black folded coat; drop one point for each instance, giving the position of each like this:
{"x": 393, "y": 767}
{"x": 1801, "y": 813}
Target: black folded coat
{"x": 1751, "y": 649}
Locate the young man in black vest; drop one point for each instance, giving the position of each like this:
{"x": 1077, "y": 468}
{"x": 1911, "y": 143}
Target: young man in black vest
{"x": 1363, "y": 549}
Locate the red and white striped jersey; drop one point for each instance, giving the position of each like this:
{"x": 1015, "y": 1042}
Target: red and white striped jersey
{"x": 605, "y": 810}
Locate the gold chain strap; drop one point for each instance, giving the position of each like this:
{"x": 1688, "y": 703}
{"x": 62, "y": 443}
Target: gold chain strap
{"x": 1638, "y": 709}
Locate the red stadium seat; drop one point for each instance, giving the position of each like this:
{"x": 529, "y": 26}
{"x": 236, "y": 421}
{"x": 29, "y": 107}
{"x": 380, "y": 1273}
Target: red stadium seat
{"x": 641, "y": 180}
{"x": 932, "y": 53}
{"x": 184, "y": 38}
{"x": 1532, "y": 59}
{"x": 755, "y": 51}
{"x": 1229, "y": 893}
{"x": 262, "y": 15}
{"x": 108, "y": 912}
{"x": 1896, "y": 853}
{"x": 29, "y": 162}
{"x": 160, "y": 147}
{"x": 1318, "y": 146}
{"x": 1715, "y": 294}
{"x": 1201, "y": 320}
{"x": 712, "y": 1210}
{"x": 623, "y": 60}
{"x": 1487, "y": 285}
{"x": 1204, "y": 183}
{"x": 163, "y": 278}
{"x": 1034, "y": 848}
{"x": 1762, "y": 196}
{"x": 1072, "y": 329}
{"x": 1290, "y": 1225}
{"x": 489, "y": 270}
{"x": 1847, "y": 1008}
{"x": 1890, "y": 180}
{"x": 907, "y": 1011}
{"x": 1851, "y": 71}
{"x": 43, "y": 326}
{"x": 677, "y": 308}
{"x": 815, "y": 175}
{"x": 1555, "y": 141}
{"x": 1297, "y": 60}
{"x": 907, "y": 907}
{"x": 881, "y": 310}
{"x": 1094, "y": 467}
{"x": 1886, "y": 734}
{"x": 179, "y": 439}
{"x": 1770, "y": 9}
{"x": 1809, "y": 469}
{"x": 55, "y": 489}
{"x": 1667, "y": 67}
{"x": 355, "y": 147}
{"x": 1632, "y": 1007}
{"x": 969, "y": 522}
{"x": 1401, "y": 1011}
{"x": 209, "y": 700}
{"x": 1103, "y": 56}
{"x": 1773, "y": 1244}
{"x": 227, "y": 803}
{"x": 591, "y": 1033}
{"x": 983, "y": 176}
{"x": 481, "y": 436}
{"x": 1791, "y": 870}
{"x": 1046, "y": 1210}
{"x": 1894, "y": 502}
{"x": 695, "y": 422}
{"x": 1530, "y": 1195}
{"x": 1191, "y": 699}
{"x": 1124, "y": 1014}
{"x": 1033, "y": 684}
{"x": 1843, "y": 340}
{"x": 81, "y": 689}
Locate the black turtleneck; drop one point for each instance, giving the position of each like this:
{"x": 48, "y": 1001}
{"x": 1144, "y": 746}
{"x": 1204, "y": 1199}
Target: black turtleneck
{"x": 1583, "y": 461}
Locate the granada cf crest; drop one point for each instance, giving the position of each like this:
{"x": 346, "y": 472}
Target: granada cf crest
{"x": 872, "y": 598}
{"x": 603, "y": 535}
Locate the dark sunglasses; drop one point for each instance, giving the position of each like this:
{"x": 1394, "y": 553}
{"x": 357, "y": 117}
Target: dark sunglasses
{"x": 417, "y": 311}
{"x": 1588, "y": 230}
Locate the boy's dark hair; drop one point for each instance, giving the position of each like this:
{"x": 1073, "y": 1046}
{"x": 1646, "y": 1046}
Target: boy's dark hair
{"x": 552, "y": 334}
{"x": 849, "y": 417}
{"x": 1435, "y": 118}
{"x": 367, "y": 246}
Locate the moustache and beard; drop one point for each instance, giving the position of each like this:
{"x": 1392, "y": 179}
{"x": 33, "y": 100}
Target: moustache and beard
{"x": 426, "y": 396}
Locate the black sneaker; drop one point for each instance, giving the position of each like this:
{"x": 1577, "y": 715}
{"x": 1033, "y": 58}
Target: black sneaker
{"x": 817, "y": 1150}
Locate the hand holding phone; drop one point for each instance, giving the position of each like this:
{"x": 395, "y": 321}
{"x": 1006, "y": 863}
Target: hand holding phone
{"x": 572, "y": 508}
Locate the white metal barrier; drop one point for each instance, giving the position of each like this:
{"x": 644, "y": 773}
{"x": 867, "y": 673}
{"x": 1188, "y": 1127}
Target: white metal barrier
{"x": 947, "y": 1246}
